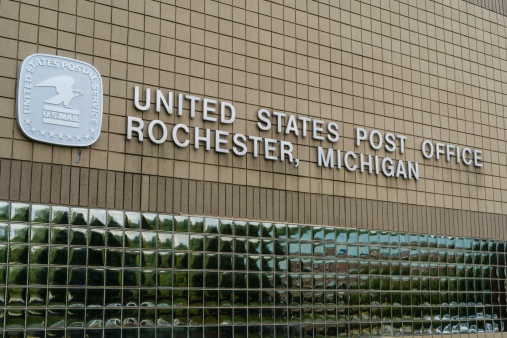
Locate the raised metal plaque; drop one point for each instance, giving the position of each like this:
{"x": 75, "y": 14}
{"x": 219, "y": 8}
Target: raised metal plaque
{"x": 59, "y": 100}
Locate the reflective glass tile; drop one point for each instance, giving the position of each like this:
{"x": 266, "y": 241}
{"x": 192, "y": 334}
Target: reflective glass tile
{"x": 165, "y": 259}
{"x": 280, "y": 231}
{"x": 20, "y": 212}
{"x": 132, "y": 239}
{"x": 114, "y": 258}
{"x": 18, "y": 233}
{"x": 181, "y": 224}
{"x": 114, "y": 218}
{"x": 149, "y": 239}
{"x": 59, "y": 215}
{"x": 149, "y": 259}
{"x": 77, "y": 256}
{"x": 18, "y": 254}
{"x": 98, "y": 217}
{"x": 165, "y": 278}
{"x": 38, "y": 275}
{"x": 165, "y": 223}
{"x": 149, "y": 221}
{"x": 79, "y": 216}
{"x": 96, "y": 257}
{"x": 59, "y": 235}
{"x": 132, "y": 258}
{"x": 196, "y": 224}
{"x": 78, "y": 237}
{"x": 132, "y": 220}
{"x": 180, "y": 242}
{"x": 4, "y": 211}
{"x": 196, "y": 242}
{"x": 39, "y": 214}
{"x": 114, "y": 238}
{"x": 293, "y": 231}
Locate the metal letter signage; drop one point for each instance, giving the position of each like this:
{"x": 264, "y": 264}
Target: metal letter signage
{"x": 59, "y": 100}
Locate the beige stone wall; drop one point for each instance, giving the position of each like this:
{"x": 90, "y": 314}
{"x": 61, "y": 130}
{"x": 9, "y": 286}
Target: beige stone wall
{"x": 426, "y": 69}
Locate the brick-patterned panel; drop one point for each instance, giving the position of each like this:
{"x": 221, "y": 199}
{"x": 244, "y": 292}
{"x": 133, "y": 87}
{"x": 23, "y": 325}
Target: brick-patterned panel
{"x": 498, "y": 6}
{"x": 57, "y": 184}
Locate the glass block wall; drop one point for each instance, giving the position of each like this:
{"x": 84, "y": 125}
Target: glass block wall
{"x": 79, "y": 272}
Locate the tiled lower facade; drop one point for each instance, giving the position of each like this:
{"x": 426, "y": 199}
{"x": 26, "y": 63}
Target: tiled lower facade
{"x": 79, "y": 272}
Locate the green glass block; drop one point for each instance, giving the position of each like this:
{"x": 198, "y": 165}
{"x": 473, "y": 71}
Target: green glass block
{"x": 96, "y": 257}
{"x": 59, "y": 215}
{"x": 114, "y": 258}
{"x": 352, "y": 236}
{"x": 181, "y": 260}
{"x": 165, "y": 259}
{"x": 165, "y": 241}
{"x": 306, "y": 232}
{"x": 267, "y": 230}
{"x": 114, "y": 277}
{"x": 240, "y": 245}
{"x": 55, "y": 318}
{"x": 132, "y": 239}
{"x": 240, "y": 228}
{"x": 132, "y": 220}
{"x": 254, "y": 246}
{"x": 181, "y": 224}
{"x": 115, "y": 238}
{"x": 180, "y": 299}
{"x": 38, "y": 275}
{"x": 451, "y": 243}
{"x": 4, "y": 232}
{"x": 15, "y": 319}
{"x": 4, "y": 211}
{"x": 149, "y": 221}
{"x": 20, "y": 212}
{"x": 149, "y": 240}
{"x": 196, "y": 261}
{"x": 226, "y": 244}
{"x": 165, "y": 223}
{"x": 17, "y": 275}
{"x": 38, "y": 234}
{"x": 211, "y": 225}
{"x": 77, "y": 256}
{"x": 98, "y": 217}
{"x": 94, "y": 319}
{"x": 149, "y": 259}
{"x": 78, "y": 236}
{"x": 148, "y": 278}
{"x": 76, "y": 318}
{"x": 280, "y": 230}
{"x": 196, "y": 224}
{"x": 18, "y": 254}
{"x": 37, "y": 297}
{"x": 147, "y": 319}
{"x": 59, "y": 235}
{"x": 254, "y": 229}
{"x": 39, "y": 254}
{"x": 57, "y": 276}
{"x": 77, "y": 276}
{"x": 18, "y": 233}
{"x": 180, "y": 242}
{"x": 97, "y": 237}
{"x": 226, "y": 227}
{"x": 196, "y": 243}
{"x": 40, "y": 213}
{"x": 165, "y": 278}
{"x": 79, "y": 216}
{"x": 131, "y": 278}
{"x": 114, "y": 218}
{"x": 132, "y": 258}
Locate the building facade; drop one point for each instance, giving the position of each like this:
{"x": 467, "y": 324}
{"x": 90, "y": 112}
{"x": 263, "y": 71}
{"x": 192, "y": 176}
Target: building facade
{"x": 263, "y": 168}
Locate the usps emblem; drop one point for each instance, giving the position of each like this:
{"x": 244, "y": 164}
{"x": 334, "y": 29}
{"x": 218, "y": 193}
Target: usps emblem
{"x": 59, "y": 100}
